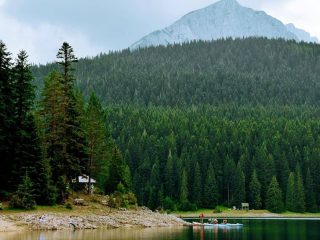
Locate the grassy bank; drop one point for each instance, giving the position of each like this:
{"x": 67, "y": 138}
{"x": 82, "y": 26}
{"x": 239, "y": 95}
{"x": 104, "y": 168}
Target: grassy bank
{"x": 225, "y": 212}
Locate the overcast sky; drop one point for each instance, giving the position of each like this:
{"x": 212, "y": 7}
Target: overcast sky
{"x": 94, "y": 26}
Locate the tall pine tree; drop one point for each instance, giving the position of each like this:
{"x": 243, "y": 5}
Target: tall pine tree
{"x": 239, "y": 192}
{"x": 26, "y": 146}
{"x": 6, "y": 117}
{"x": 197, "y": 189}
{"x": 291, "y": 193}
{"x": 300, "y": 205}
{"x": 97, "y": 149}
{"x": 117, "y": 173}
{"x": 274, "y": 201}
{"x": 311, "y": 205}
{"x": 72, "y": 139}
{"x": 210, "y": 191}
{"x": 255, "y": 192}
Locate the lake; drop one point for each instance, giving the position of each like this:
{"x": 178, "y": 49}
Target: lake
{"x": 253, "y": 229}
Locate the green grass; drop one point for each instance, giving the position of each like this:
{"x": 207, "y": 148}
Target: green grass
{"x": 227, "y": 212}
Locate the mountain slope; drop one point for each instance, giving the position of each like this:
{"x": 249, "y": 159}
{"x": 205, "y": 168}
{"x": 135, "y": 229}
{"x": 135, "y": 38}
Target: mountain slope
{"x": 301, "y": 34}
{"x": 241, "y": 71}
{"x": 226, "y": 18}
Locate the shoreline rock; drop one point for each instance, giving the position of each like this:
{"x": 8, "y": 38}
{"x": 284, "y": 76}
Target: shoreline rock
{"x": 76, "y": 220}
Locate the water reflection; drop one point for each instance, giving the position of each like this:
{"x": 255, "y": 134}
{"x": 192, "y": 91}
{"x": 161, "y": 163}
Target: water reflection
{"x": 202, "y": 233}
{"x": 251, "y": 230}
{"x": 111, "y": 234}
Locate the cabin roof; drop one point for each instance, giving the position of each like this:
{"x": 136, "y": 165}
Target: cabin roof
{"x": 84, "y": 179}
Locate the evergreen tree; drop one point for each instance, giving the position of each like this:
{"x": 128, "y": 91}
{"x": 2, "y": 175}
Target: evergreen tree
{"x": 66, "y": 58}
{"x": 311, "y": 205}
{"x": 51, "y": 114}
{"x": 95, "y": 130}
{"x": 6, "y": 117}
{"x": 210, "y": 192}
{"x": 24, "y": 197}
{"x": 26, "y": 147}
{"x": 37, "y": 166}
{"x": 291, "y": 193}
{"x": 274, "y": 201}
{"x": 184, "y": 188}
{"x": 153, "y": 199}
{"x": 283, "y": 171}
{"x": 239, "y": 194}
{"x": 300, "y": 205}
{"x": 197, "y": 190}
{"x": 229, "y": 178}
{"x": 255, "y": 192}
{"x": 265, "y": 169}
{"x": 169, "y": 178}
{"x": 117, "y": 173}
{"x": 73, "y": 141}
{"x": 64, "y": 135}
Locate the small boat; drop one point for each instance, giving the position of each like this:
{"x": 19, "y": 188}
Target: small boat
{"x": 196, "y": 224}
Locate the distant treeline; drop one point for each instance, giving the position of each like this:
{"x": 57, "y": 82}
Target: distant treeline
{"x": 205, "y": 156}
{"x": 241, "y": 71}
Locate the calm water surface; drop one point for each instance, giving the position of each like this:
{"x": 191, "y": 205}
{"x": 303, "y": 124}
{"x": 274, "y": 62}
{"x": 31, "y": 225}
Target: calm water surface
{"x": 252, "y": 230}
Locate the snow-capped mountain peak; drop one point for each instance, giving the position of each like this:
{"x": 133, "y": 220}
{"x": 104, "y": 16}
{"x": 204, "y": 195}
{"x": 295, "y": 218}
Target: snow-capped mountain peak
{"x": 226, "y": 18}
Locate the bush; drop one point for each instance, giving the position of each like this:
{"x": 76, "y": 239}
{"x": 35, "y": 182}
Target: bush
{"x": 26, "y": 203}
{"x": 217, "y": 209}
{"x": 168, "y": 204}
{"x": 132, "y": 200}
{"x": 69, "y": 206}
{"x": 187, "y": 206}
{"x": 121, "y": 188}
{"x": 114, "y": 202}
{"x": 24, "y": 197}
{"x": 118, "y": 200}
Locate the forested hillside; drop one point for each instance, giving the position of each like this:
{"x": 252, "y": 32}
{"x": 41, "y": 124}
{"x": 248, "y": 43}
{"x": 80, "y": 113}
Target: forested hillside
{"x": 209, "y": 156}
{"x": 243, "y": 71}
{"x": 184, "y": 126}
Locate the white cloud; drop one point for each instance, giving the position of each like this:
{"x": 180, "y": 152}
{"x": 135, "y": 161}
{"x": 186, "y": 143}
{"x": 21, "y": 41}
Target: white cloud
{"x": 41, "y": 41}
{"x": 303, "y": 13}
{"x": 40, "y": 26}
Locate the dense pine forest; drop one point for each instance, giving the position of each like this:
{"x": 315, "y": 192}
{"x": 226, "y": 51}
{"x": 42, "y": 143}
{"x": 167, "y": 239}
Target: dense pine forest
{"x": 183, "y": 127}
{"x": 249, "y": 71}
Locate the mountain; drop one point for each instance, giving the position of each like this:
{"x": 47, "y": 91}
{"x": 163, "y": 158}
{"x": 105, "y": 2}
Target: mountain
{"x": 226, "y": 18}
{"x": 227, "y": 71}
{"x": 301, "y": 34}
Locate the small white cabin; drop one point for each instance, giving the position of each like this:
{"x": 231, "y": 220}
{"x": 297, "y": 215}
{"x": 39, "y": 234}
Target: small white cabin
{"x": 84, "y": 181}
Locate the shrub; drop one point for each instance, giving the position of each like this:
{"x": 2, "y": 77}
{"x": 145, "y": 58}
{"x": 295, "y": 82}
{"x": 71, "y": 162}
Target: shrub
{"x": 114, "y": 202}
{"x": 24, "y": 197}
{"x": 123, "y": 200}
{"x": 169, "y": 204}
{"x": 217, "y": 209}
{"x": 132, "y": 200}
{"x": 121, "y": 188}
{"x": 69, "y": 206}
{"x": 187, "y": 206}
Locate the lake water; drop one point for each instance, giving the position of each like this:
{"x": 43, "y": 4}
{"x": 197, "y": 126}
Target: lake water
{"x": 251, "y": 230}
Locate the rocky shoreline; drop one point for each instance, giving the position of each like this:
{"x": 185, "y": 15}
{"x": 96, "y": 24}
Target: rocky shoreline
{"x": 141, "y": 217}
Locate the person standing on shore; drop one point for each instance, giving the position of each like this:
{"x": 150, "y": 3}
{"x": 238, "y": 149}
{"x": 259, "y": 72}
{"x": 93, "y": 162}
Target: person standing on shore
{"x": 201, "y": 216}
